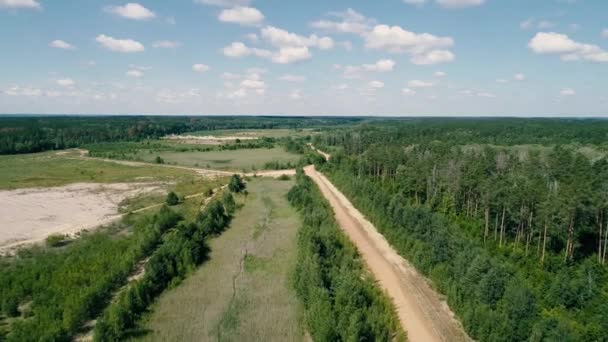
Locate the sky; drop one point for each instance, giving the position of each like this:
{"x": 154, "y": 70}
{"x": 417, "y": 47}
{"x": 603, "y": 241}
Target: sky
{"x": 313, "y": 57}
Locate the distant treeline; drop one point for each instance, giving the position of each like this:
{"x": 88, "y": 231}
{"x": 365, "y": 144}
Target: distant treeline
{"x": 341, "y": 302}
{"x": 36, "y": 134}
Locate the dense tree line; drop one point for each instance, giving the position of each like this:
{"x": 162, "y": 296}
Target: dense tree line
{"x": 514, "y": 236}
{"x": 341, "y": 303}
{"x": 180, "y": 253}
{"x": 62, "y": 288}
{"x": 41, "y": 133}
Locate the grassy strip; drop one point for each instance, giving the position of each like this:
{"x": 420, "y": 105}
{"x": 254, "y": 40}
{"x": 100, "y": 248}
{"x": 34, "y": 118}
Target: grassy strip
{"x": 180, "y": 253}
{"x": 340, "y": 300}
{"x": 54, "y": 291}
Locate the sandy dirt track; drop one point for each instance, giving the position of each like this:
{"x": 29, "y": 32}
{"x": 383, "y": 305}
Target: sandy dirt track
{"x": 422, "y": 313}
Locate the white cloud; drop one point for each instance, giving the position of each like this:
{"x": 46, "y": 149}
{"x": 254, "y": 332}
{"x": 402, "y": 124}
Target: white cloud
{"x": 120, "y": 45}
{"x": 166, "y": 44}
{"x": 376, "y": 84}
{"x": 545, "y": 24}
{"x": 420, "y": 84}
{"x": 241, "y": 15}
{"x": 224, "y": 3}
{"x": 66, "y": 82}
{"x": 531, "y": 23}
{"x": 238, "y": 49}
{"x": 340, "y": 87}
{"x": 200, "y": 67}
{"x": 20, "y": 4}
{"x": 527, "y": 24}
{"x": 22, "y": 91}
{"x": 501, "y": 80}
{"x": 408, "y": 91}
{"x": 424, "y": 48}
{"x": 131, "y": 10}
{"x": 292, "y": 78}
{"x": 415, "y": 2}
{"x": 351, "y": 22}
{"x": 281, "y": 38}
{"x": 135, "y": 73}
{"x": 439, "y": 74}
{"x": 568, "y": 49}
{"x": 287, "y": 55}
{"x": 460, "y": 3}
{"x": 519, "y": 77}
{"x": 252, "y": 37}
{"x": 567, "y": 92}
{"x": 605, "y": 33}
{"x": 383, "y": 65}
{"x": 60, "y": 44}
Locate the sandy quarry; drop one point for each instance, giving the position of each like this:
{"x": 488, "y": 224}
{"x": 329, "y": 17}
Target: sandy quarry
{"x": 422, "y": 313}
{"x": 206, "y": 140}
{"x": 30, "y": 215}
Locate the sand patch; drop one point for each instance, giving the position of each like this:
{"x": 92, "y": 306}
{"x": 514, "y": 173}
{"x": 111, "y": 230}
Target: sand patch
{"x": 30, "y": 215}
{"x": 207, "y": 139}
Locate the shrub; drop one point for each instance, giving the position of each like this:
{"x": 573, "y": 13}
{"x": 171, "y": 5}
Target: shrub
{"x": 172, "y": 198}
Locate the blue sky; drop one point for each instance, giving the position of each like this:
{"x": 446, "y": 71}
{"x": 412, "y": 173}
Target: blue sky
{"x": 314, "y": 57}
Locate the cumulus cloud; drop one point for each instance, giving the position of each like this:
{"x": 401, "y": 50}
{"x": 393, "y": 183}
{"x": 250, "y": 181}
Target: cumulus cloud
{"x": 551, "y": 43}
{"x": 356, "y": 71}
{"x": 200, "y": 67}
{"x": 166, "y": 44}
{"x": 460, "y": 3}
{"x": 290, "y": 54}
{"x": 135, "y": 73}
{"x": 408, "y": 91}
{"x": 281, "y": 38}
{"x": 131, "y": 10}
{"x": 246, "y": 16}
{"x": 66, "y": 82}
{"x": 349, "y": 21}
{"x": 605, "y": 33}
{"x": 439, "y": 74}
{"x": 119, "y": 45}
{"x": 239, "y": 49}
{"x": 60, "y": 44}
{"x": 424, "y": 48}
{"x": 295, "y": 94}
{"x": 533, "y": 23}
{"x": 485, "y": 94}
{"x": 292, "y": 78}
{"x": 420, "y": 84}
{"x": 519, "y": 77}
{"x": 567, "y": 92}
{"x": 20, "y": 4}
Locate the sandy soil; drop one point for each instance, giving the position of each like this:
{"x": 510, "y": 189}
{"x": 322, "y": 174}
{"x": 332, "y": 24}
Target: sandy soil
{"x": 327, "y": 156}
{"x": 422, "y": 312}
{"x": 30, "y": 215}
{"x": 271, "y": 173}
{"x": 205, "y": 140}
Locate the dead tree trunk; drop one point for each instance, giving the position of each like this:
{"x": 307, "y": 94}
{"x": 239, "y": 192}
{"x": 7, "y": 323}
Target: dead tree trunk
{"x": 487, "y": 216}
{"x": 502, "y": 226}
{"x": 542, "y": 259}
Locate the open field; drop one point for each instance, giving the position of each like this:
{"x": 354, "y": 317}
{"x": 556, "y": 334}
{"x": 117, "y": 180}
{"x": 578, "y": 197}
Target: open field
{"x": 51, "y": 169}
{"x": 242, "y": 293}
{"x": 237, "y": 160}
{"x": 256, "y": 133}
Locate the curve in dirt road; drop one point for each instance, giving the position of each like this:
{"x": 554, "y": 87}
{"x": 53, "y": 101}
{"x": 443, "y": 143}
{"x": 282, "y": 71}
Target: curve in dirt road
{"x": 421, "y": 311}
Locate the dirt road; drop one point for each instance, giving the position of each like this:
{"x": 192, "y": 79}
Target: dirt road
{"x": 422, "y": 313}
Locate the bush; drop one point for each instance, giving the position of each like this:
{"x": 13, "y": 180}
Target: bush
{"x": 284, "y": 178}
{"x": 172, "y": 198}
{"x": 159, "y": 160}
{"x": 55, "y": 240}
{"x": 236, "y": 184}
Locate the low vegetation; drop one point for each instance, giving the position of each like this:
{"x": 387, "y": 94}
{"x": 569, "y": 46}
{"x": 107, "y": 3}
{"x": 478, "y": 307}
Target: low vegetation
{"x": 340, "y": 299}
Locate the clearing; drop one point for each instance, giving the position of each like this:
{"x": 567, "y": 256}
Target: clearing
{"x": 234, "y": 160}
{"x": 424, "y": 315}
{"x": 255, "y": 133}
{"x": 242, "y": 293}
{"x": 30, "y": 215}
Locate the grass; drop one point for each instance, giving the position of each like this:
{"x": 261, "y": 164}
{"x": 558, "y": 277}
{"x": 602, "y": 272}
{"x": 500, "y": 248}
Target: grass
{"x": 49, "y": 169}
{"x": 242, "y": 293}
{"x": 236, "y": 160}
{"x": 270, "y": 133}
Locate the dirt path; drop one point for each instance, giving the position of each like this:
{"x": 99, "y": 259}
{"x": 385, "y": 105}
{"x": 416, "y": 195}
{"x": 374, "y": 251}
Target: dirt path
{"x": 327, "y": 156}
{"x": 422, "y": 313}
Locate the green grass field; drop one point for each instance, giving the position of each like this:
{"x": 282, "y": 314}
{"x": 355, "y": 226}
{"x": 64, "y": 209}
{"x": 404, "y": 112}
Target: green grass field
{"x": 242, "y": 293}
{"x": 236, "y": 160}
{"x": 49, "y": 169}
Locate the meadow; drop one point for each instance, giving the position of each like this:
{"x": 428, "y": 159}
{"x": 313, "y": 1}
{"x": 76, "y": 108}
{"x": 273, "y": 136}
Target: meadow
{"x": 242, "y": 292}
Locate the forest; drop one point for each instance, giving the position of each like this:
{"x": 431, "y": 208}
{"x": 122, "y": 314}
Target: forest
{"x": 507, "y": 217}
{"x": 41, "y": 133}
